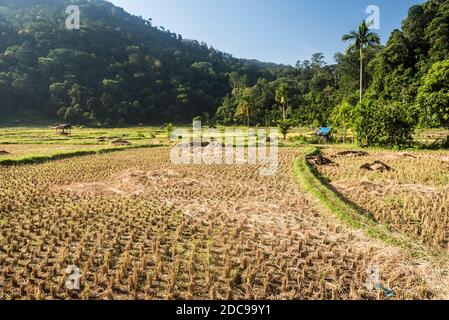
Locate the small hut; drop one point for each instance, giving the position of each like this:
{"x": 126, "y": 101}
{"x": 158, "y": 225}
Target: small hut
{"x": 64, "y": 129}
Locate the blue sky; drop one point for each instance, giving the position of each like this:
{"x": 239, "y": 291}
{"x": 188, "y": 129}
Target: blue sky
{"x": 281, "y": 31}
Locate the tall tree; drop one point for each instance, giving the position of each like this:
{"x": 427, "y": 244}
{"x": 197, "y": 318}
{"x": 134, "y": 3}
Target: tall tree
{"x": 361, "y": 39}
{"x": 281, "y": 98}
{"x": 244, "y": 105}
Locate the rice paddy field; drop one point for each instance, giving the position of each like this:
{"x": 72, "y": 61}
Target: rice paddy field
{"x": 140, "y": 227}
{"x": 24, "y": 145}
{"x": 17, "y": 151}
{"x": 411, "y": 197}
{"x": 78, "y": 136}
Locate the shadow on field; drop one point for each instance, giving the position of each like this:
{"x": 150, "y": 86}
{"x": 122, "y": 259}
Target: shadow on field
{"x": 326, "y": 183}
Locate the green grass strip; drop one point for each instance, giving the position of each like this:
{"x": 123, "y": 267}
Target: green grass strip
{"x": 311, "y": 181}
{"x": 65, "y": 155}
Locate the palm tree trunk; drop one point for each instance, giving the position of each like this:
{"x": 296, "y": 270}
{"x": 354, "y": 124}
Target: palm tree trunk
{"x": 283, "y": 112}
{"x": 361, "y": 75}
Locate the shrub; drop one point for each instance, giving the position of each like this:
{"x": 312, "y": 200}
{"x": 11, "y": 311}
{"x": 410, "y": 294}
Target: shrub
{"x": 432, "y": 102}
{"x": 169, "y": 128}
{"x": 284, "y": 127}
{"x": 382, "y": 124}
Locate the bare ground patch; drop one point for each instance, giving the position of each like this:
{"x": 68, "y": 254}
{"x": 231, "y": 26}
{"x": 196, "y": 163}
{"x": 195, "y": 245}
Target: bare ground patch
{"x": 132, "y": 183}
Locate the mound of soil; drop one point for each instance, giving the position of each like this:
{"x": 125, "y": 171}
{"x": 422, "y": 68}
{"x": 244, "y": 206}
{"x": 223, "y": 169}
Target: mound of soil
{"x": 407, "y": 155}
{"x": 376, "y": 166}
{"x": 120, "y": 142}
{"x": 2, "y": 152}
{"x": 145, "y": 176}
{"x": 204, "y": 144}
{"x": 352, "y": 153}
{"x": 319, "y": 160}
{"x": 213, "y": 144}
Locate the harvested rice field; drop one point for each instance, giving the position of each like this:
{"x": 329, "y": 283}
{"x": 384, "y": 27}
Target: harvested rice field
{"x": 17, "y": 151}
{"x": 139, "y": 227}
{"x": 410, "y": 195}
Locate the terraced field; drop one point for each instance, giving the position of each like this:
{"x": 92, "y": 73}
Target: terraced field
{"x": 30, "y": 145}
{"x": 17, "y": 151}
{"x": 138, "y": 226}
{"x": 411, "y": 197}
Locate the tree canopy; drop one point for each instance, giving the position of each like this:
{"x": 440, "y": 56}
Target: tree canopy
{"x": 120, "y": 69}
{"x": 117, "y": 68}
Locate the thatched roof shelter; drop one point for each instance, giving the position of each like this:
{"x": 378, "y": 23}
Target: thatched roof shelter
{"x": 64, "y": 129}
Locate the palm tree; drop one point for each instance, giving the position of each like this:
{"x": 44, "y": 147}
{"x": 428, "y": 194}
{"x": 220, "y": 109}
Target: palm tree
{"x": 281, "y": 93}
{"x": 361, "y": 39}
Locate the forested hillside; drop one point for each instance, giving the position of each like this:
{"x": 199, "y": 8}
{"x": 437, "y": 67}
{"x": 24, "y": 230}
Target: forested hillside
{"x": 405, "y": 84}
{"x": 410, "y": 84}
{"x": 119, "y": 69}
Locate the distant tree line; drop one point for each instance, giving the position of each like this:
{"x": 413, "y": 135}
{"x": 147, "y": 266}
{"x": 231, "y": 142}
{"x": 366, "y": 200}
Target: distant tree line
{"x": 382, "y": 92}
{"x": 119, "y": 69}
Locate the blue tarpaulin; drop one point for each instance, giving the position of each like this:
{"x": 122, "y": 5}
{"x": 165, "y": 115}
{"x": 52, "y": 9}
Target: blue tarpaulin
{"x": 324, "y": 132}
